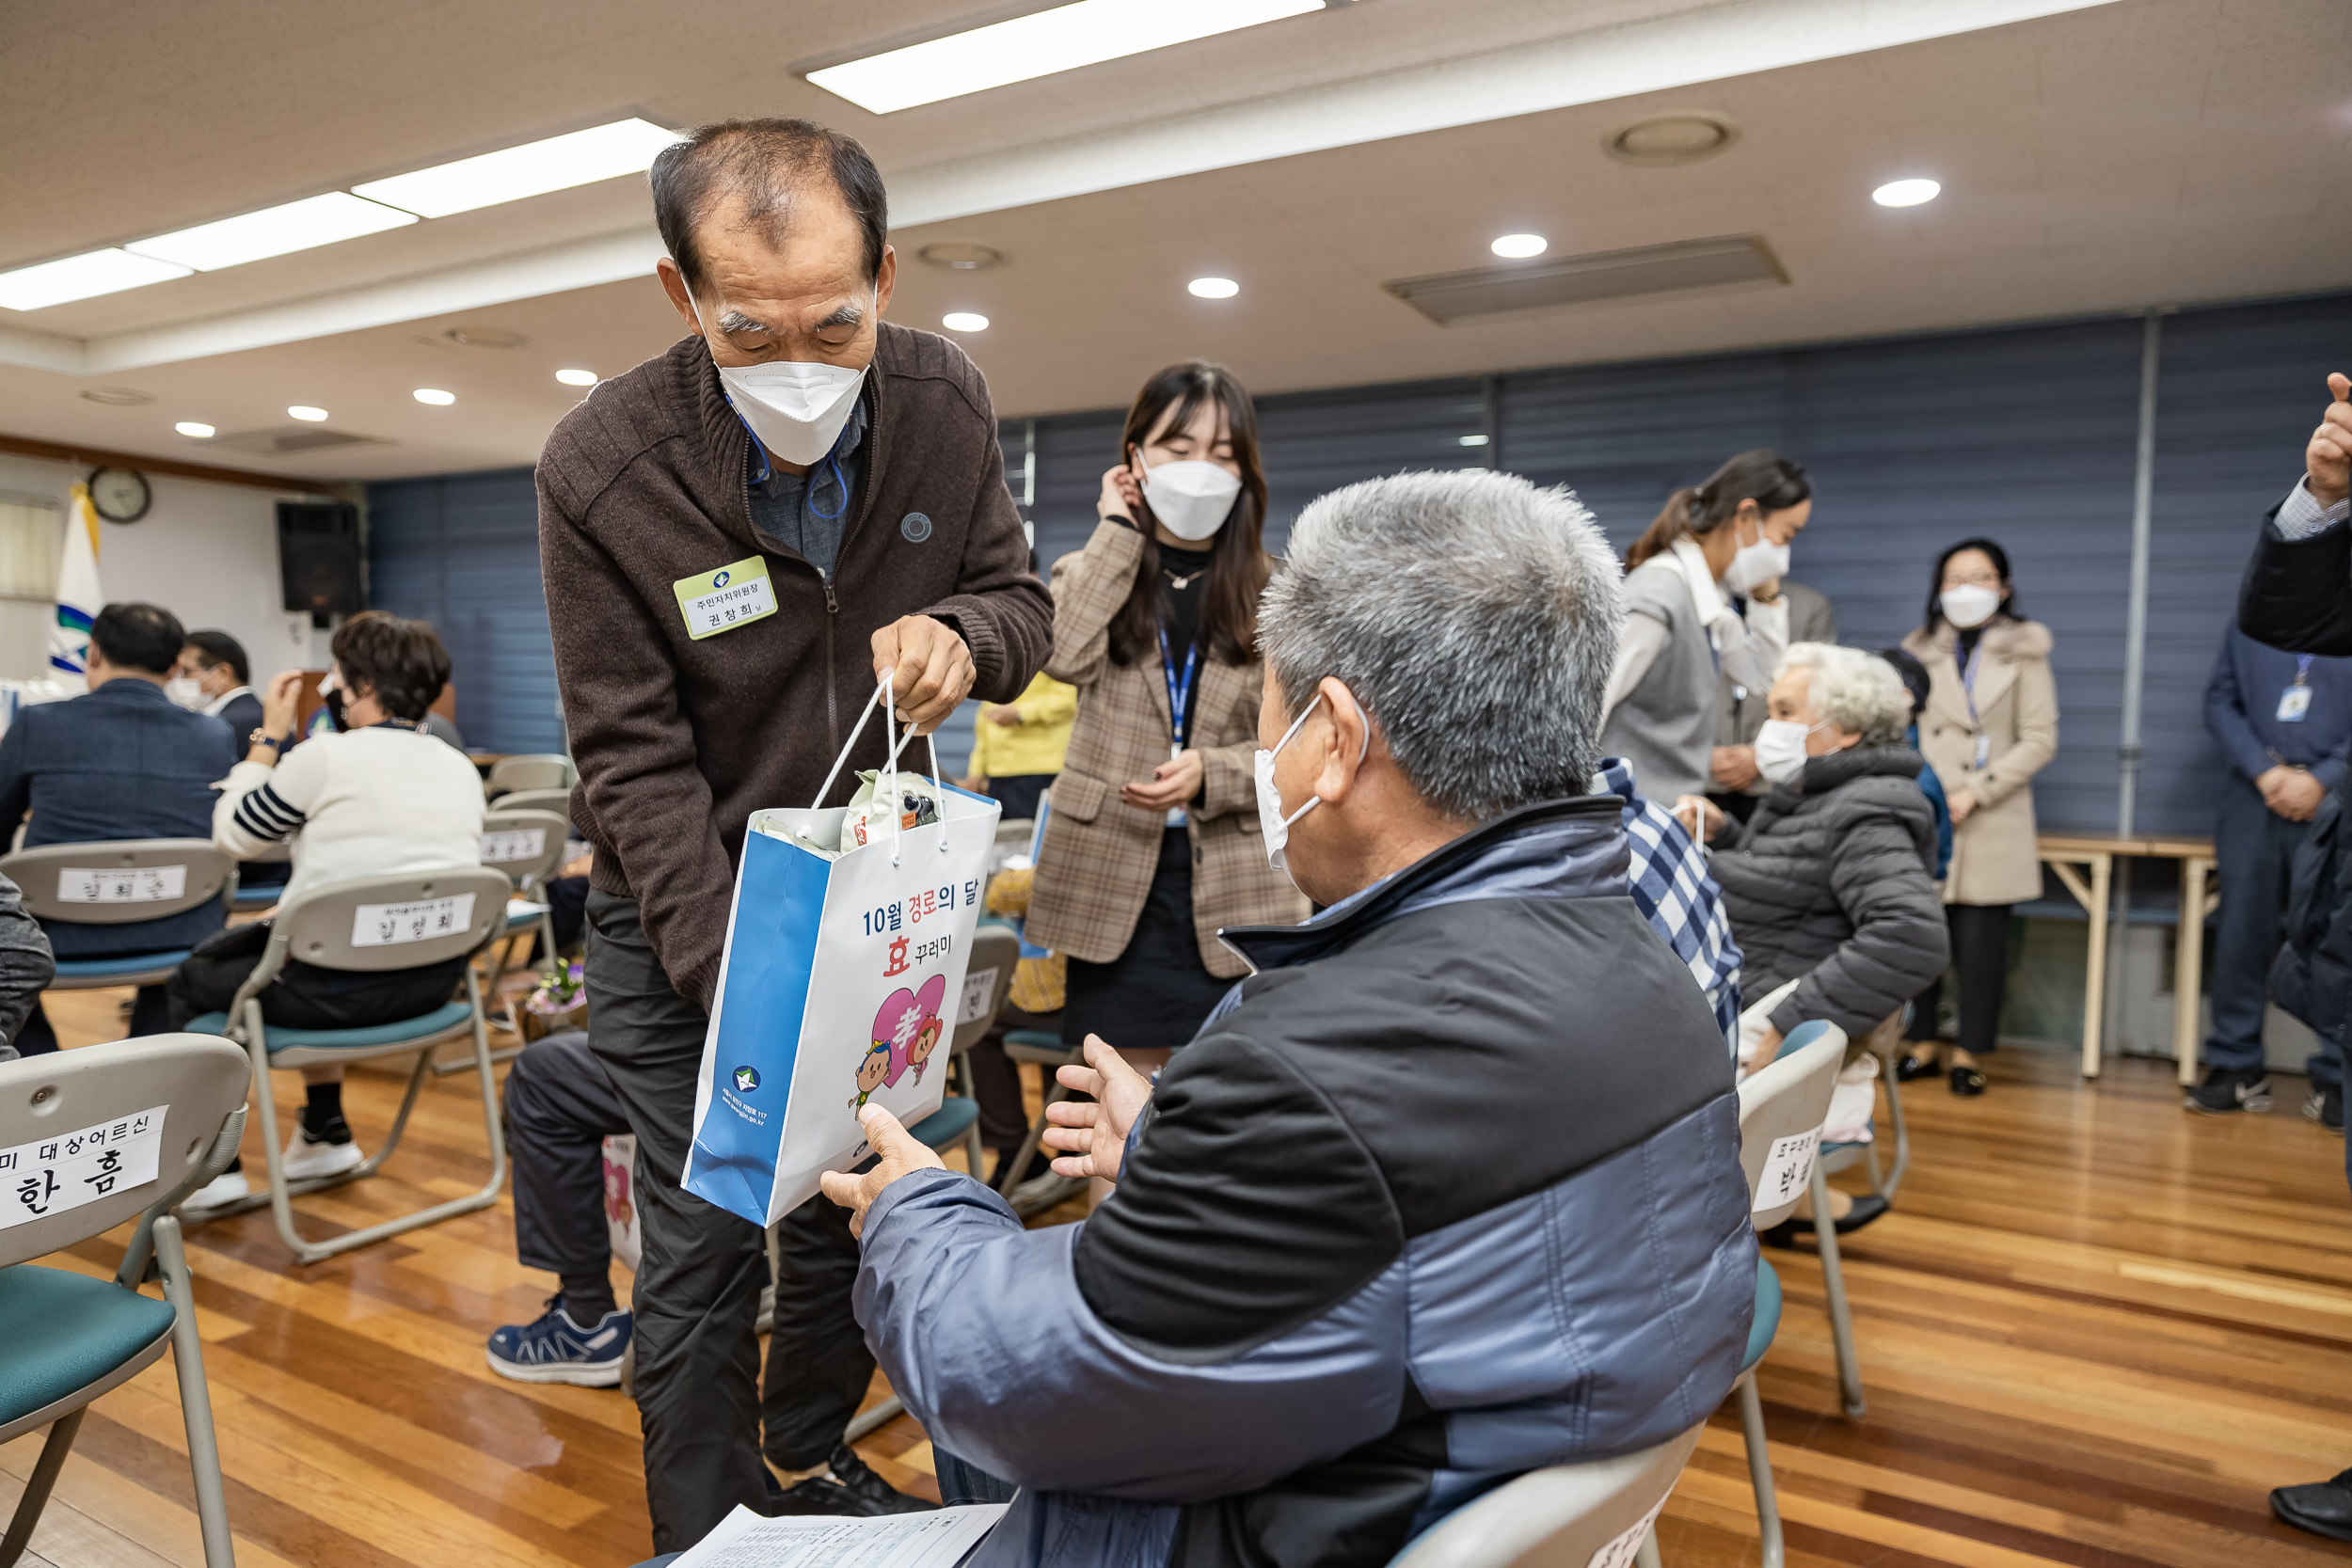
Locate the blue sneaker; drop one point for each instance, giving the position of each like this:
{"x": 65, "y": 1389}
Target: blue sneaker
{"x": 557, "y": 1349}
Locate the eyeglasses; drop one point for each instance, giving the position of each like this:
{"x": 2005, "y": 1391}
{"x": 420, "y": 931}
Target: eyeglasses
{"x": 1972, "y": 579}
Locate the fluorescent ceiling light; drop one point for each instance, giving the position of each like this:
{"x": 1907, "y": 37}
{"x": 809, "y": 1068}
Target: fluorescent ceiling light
{"x": 434, "y": 396}
{"x": 1473, "y": 440}
{"x": 963, "y": 321}
{"x": 1037, "y": 45}
{"x": 557, "y": 164}
{"x": 194, "y": 427}
{"x": 1906, "y": 193}
{"x": 577, "y": 378}
{"x": 1518, "y": 246}
{"x": 83, "y": 277}
{"x": 304, "y": 412}
{"x": 272, "y": 231}
{"x": 1214, "y": 287}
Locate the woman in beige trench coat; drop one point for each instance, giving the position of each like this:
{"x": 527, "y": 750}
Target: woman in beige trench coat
{"x": 1991, "y": 724}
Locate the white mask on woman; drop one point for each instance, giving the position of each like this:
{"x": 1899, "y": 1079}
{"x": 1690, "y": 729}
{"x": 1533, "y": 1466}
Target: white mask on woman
{"x": 795, "y": 407}
{"x": 1969, "y": 605}
{"x": 1780, "y": 754}
{"x": 1191, "y": 499}
{"x": 1754, "y": 564}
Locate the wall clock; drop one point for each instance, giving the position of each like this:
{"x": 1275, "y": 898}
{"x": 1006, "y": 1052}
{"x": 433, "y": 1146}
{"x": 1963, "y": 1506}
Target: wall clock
{"x": 120, "y": 494}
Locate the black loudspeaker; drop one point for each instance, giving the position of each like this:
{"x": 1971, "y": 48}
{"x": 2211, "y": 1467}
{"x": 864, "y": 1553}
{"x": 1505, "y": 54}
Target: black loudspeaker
{"x": 318, "y": 558}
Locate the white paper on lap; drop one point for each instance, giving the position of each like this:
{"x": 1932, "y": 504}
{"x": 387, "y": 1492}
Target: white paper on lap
{"x": 934, "y": 1540}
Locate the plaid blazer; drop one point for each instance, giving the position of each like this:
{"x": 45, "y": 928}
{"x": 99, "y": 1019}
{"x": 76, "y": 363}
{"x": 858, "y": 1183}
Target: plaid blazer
{"x": 1095, "y": 866}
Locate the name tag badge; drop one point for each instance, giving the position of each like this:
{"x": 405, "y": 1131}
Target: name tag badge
{"x": 2294, "y": 702}
{"x": 734, "y": 595}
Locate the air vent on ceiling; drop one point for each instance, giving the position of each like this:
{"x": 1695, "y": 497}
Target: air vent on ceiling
{"x": 1607, "y": 277}
{"x": 289, "y": 440}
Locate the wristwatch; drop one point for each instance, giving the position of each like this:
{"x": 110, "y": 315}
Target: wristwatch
{"x": 263, "y": 738}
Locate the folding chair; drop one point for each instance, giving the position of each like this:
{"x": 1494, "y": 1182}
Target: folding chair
{"x": 556, "y": 801}
{"x": 1596, "y": 1512}
{"x": 527, "y": 846}
{"x": 71, "y": 1337}
{"x": 266, "y": 893}
{"x": 530, "y": 771}
{"x": 370, "y": 923}
{"x": 115, "y": 883}
{"x": 1043, "y": 1193}
{"x": 1781, "y": 1109}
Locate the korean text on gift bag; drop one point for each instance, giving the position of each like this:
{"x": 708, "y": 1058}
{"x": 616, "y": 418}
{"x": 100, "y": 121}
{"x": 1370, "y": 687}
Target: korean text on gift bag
{"x": 839, "y": 984}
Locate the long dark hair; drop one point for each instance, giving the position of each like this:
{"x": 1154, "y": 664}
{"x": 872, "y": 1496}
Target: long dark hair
{"x": 1993, "y": 553}
{"x": 1762, "y": 476}
{"x": 1238, "y": 564}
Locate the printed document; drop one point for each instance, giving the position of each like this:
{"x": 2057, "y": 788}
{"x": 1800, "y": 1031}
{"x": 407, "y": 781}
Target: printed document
{"x": 934, "y": 1540}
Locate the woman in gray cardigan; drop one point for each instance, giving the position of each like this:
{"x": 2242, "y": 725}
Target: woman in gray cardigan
{"x": 1829, "y": 885}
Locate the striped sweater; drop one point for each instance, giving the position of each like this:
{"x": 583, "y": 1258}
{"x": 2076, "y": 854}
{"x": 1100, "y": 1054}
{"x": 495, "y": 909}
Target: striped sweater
{"x": 372, "y": 803}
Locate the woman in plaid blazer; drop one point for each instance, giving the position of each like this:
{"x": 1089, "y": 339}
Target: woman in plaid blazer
{"x": 1151, "y": 841}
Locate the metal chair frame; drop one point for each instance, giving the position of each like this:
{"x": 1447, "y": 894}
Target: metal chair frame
{"x": 529, "y": 876}
{"x": 1041, "y": 1192}
{"x": 1788, "y": 1097}
{"x": 317, "y": 929}
{"x": 556, "y": 801}
{"x": 532, "y": 770}
{"x": 1563, "y": 1513}
{"x": 209, "y": 875}
{"x": 201, "y": 1079}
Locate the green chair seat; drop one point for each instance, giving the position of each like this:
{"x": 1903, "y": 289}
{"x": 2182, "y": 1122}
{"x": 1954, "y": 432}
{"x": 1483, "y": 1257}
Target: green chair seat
{"x": 1766, "y": 1321}
{"x": 446, "y": 1019}
{"x": 126, "y": 963}
{"x": 67, "y": 1331}
{"x": 942, "y": 1127}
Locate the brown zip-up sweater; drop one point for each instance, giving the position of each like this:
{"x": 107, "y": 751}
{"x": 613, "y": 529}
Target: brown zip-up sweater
{"x": 679, "y": 741}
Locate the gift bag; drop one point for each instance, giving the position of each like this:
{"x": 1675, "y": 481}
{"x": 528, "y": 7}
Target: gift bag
{"x": 838, "y": 984}
{"x": 620, "y": 1198}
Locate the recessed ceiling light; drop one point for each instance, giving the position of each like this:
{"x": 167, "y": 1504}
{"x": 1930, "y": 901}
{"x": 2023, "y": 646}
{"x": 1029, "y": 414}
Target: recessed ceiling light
{"x": 577, "y": 378}
{"x": 304, "y": 412}
{"x": 272, "y": 231}
{"x": 1665, "y": 141}
{"x": 1474, "y": 440}
{"x": 196, "y": 428}
{"x": 534, "y": 169}
{"x": 1906, "y": 193}
{"x": 1519, "y": 247}
{"x": 83, "y": 276}
{"x": 117, "y": 397}
{"x": 1214, "y": 287}
{"x": 961, "y": 255}
{"x": 1039, "y": 44}
{"x": 963, "y": 321}
{"x": 434, "y": 396}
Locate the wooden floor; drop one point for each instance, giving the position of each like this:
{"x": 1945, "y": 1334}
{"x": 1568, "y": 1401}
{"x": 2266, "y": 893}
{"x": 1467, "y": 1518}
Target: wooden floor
{"x": 2097, "y": 1332}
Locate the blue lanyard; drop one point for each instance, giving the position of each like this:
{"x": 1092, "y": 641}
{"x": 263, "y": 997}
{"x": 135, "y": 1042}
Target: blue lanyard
{"x": 1177, "y": 695}
{"x": 2302, "y": 669}
{"x": 1969, "y": 679}
{"x": 832, "y": 460}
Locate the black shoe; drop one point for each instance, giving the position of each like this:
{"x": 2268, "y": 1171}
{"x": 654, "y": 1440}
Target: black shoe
{"x": 1785, "y": 1234}
{"x": 2325, "y": 1105}
{"x": 2322, "y": 1506}
{"x": 874, "y": 1494}
{"x": 1913, "y": 1065}
{"x": 1967, "y": 1081}
{"x": 814, "y": 1496}
{"x": 2228, "y": 1088}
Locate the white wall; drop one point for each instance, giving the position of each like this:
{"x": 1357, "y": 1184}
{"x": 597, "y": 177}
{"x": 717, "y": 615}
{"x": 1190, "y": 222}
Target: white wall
{"x": 206, "y": 552}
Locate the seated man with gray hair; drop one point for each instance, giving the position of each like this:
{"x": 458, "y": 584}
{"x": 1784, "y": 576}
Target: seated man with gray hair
{"x": 1446, "y": 1191}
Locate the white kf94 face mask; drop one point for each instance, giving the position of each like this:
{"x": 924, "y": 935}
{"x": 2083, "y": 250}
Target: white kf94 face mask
{"x": 1969, "y": 605}
{"x": 795, "y": 407}
{"x": 1272, "y": 824}
{"x": 1191, "y": 499}
{"x": 1754, "y": 564}
{"x": 1779, "y": 748}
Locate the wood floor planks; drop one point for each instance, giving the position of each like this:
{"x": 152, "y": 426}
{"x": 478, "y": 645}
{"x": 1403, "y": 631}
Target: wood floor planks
{"x": 2095, "y": 1332}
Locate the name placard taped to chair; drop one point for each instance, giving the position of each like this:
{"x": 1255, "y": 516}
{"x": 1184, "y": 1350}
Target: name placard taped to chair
{"x": 1788, "y": 1169}
{"x": 130, "y": 884}
{"x": 980, "y": 990}
{"x": 388, "y": 925}
{"x": 513, "y": 844}
{"x": 1620, "y": 1550}
{"x": 840, "y": 977}
{"x": 52, "y": 1174}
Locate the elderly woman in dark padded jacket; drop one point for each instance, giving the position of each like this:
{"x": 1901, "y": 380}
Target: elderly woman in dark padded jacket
{"x": 1829, "y": 885}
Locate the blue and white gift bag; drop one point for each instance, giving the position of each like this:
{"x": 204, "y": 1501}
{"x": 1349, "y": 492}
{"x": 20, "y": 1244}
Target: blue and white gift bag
{"x": 838, "y": 988}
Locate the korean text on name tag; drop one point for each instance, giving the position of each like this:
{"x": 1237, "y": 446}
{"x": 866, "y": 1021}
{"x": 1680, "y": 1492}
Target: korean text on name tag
{"x": 131, "y": 884}
{"x": 39, "y": 1178}
{"x": 1788, "y": 1169}
{"x": 726, "y": 607}
{"x": 385, "y": 924}
{"x": 980, "y": 990}
{"x": 513, "y": 844}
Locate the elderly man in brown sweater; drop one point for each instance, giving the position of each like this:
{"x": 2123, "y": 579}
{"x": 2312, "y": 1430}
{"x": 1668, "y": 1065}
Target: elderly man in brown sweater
{"x": 740, "y": 537}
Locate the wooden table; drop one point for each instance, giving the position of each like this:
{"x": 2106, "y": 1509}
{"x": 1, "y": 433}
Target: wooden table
{"x": 2188, "y": 960}
{"x": 2072, "y": 855}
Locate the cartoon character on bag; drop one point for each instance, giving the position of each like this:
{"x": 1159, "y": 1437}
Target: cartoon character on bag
{"x": 926, "y": 1041}
{"x": 869, "y": 1074}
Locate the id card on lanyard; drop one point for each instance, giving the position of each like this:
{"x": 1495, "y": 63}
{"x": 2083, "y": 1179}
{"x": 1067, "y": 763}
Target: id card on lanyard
{"x": 2296, "y": 701}
{"x": 1968, "y": 690}
{"x": 1178, "y": 695}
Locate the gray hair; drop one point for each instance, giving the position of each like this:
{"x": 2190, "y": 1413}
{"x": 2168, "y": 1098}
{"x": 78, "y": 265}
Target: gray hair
{"x": 1473, "y": 614}
{"x": 1856, "y": 691}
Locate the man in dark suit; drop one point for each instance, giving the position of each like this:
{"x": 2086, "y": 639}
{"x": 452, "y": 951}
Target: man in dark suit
{"x": 216, "y": 662}
{"x": 123, "y": 760}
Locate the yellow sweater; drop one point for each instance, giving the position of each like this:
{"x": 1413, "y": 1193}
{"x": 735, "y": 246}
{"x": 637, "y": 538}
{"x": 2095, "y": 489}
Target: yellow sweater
{"x": 1036, "y": 744}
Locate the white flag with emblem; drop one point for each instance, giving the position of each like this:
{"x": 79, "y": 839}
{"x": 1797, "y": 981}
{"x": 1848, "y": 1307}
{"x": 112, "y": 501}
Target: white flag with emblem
{"x": 79, "y": 596}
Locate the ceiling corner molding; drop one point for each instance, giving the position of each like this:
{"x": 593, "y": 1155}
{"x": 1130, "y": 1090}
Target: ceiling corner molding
{"x": 43, "y": 351}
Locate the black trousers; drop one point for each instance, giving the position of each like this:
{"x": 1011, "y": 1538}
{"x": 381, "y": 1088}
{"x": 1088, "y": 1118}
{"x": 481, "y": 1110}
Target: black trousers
{"x": 149, "y": 1016}
{"x": 303, "y": 996}
{"x": 559, "y": 1108}
{"x": 697, "y": 1295}
{"x": 1018, "y": 794}
{"x": 1980, "y": 961}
